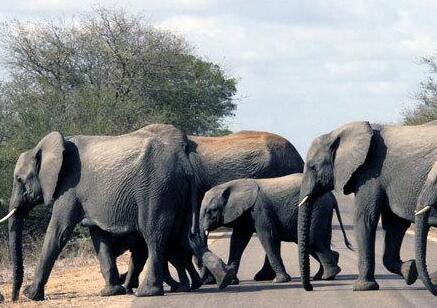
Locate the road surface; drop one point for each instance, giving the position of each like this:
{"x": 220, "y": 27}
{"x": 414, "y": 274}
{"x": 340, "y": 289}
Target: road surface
{"x": 338, "y": 293}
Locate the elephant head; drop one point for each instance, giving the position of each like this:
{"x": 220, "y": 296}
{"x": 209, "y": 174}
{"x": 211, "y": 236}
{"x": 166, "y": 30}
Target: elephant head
{"x": 331, "y": 162}
{"x": 35, "y": 178}
{"x": 225, "y": 203}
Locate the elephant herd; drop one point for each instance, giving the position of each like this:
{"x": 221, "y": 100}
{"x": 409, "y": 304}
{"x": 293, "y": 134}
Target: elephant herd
{"x": 157, "y": 192}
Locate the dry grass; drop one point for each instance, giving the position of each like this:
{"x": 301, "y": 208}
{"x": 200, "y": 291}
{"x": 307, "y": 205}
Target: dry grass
{"x": 74, "y": 282}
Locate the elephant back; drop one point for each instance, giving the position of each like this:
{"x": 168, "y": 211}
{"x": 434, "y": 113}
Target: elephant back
{"x": 246, "y": 154}
{"x": 167, "y": 133}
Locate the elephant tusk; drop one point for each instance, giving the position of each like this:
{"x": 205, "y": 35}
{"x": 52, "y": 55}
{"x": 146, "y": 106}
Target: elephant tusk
{"x": 303, "y": 201}
{"x": 8, "y": 216}
{"x": 424, "y": 210}
{"x": 207, "y": 233}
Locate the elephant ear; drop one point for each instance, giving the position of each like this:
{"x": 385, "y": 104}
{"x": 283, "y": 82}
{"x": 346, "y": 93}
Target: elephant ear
{"x": 428, "y": 194}
{"x": 49, "y": 157}
{"x": 350, "y": 145}
{"x": 240, "y": 195}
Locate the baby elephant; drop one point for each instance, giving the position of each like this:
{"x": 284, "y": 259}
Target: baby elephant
{"x": 269, "y": 207}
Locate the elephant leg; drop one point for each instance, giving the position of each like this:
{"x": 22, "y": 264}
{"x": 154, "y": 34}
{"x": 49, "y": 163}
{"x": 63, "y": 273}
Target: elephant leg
{"x": 272, "y": 247}
{"x": 319, "y": 274}
{"x": 168, "y": 279}
{"x": 184, "y": 283}
{"x": 152, "y": 283}
{"x": 395, "y": 228}
{"x": 108, "y": 266}
{"x": 240, "y": 238}
{"x": 328, "y": 263}
{"x": 266, "y": 272}
{"x": 64, "y": 218}
{"x": 156, "y": 238}
{"x": 196, "y": 282}
{"x": 136, "y": 264}
{"x": 366, "y": 218}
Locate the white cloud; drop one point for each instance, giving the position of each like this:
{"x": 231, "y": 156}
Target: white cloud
{"x": 304, "y": 67}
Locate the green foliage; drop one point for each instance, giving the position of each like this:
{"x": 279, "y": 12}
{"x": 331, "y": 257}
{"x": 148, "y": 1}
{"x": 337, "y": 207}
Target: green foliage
{"x": 426, "y": 109}
{"x": 107, "y": 72}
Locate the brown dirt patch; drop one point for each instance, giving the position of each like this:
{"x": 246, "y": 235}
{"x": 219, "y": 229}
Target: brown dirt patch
{"x": 73, "y": 283}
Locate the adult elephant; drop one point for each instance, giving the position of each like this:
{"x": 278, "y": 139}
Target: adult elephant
{"x": 390, "y": 170}
{"x": 245, "y": 154}
{"x": 178, "y": 255}
{"x": 139, "y": 182}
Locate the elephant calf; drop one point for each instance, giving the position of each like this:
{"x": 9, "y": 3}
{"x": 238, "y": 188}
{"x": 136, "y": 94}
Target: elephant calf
{"x": 269, "y": 207}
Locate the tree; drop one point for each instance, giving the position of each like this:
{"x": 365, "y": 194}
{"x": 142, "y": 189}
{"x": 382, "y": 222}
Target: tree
{"x": 104, "y": 73}
{"x": 426, "y": 109}
{"x": 107, "y": 72}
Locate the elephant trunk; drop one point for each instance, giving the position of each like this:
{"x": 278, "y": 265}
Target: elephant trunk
{"x": 304, "y": 225}
{"x": 15, "y": 226}
{"x": 16, "y": 253}
{"x": 422, "y": 228}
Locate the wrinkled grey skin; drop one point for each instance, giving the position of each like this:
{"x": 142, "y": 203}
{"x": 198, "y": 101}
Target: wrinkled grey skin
{"x": 269, "y": 207}
{"x": 246, "y": 154}
{"x": 178, "y": 257}
{"x": 138, "y": 182}
{"x": 387, "y": 168}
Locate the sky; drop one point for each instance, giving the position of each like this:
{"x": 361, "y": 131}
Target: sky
{"x": 304, "y": 67}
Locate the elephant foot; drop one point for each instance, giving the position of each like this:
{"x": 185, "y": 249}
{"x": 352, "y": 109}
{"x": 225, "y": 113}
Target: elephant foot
{"x": 196, "y": 283}
{"x": 149, "y": 291}
{"x": 281, "y": 278}
{"x": 131, "y": 285}
{"x": 174, "y": 287}
{"x": 183, "y": 288}
{"x": 364, "y": 285}
{"x": 113, "y": 290}
{"x": 129, "y": 291}
{"x": 33, "y": 293}
{"x": 264, "y": 275}
{"x": 1, "y": 298}
{"x": 227, "y": 279}
{"x": 319, "y": 274}
{"x": 409, "y": 271}
{"x": 330, "y": 273}
{"x": 209, "y": 279}
{"x": 235, "y": 281}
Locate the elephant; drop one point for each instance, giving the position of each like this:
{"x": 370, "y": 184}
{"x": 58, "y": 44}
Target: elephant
{"x": 391, "y": 170}
{"x": 245, "y": 154}
{"x": 138, "y": 182}
{"x": 137, "y": 246}
{"x": 269, "y": 208}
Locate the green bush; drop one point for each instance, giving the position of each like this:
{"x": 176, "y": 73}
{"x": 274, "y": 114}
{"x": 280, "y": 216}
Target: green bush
{"x": 104, "y": 73}
{"x": 426, "y": 108}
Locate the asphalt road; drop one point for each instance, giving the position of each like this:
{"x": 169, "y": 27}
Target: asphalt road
{"x": 338, "y": 293}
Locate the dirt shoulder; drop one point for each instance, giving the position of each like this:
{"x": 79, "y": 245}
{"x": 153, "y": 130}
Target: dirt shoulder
{"x": 73, "y": 283}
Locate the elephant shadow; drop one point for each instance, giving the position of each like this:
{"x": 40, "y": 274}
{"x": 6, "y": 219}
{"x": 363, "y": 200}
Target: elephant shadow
{"x": 254, "y": 286}
{"x": 354, "y": 277}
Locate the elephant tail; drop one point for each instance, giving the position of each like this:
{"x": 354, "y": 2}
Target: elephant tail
{"x": 337, "y": 212}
